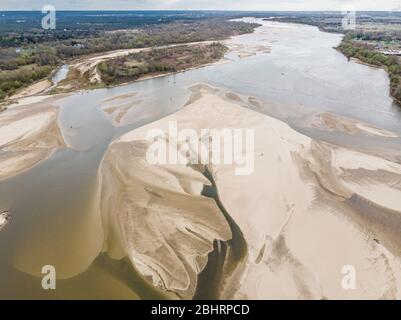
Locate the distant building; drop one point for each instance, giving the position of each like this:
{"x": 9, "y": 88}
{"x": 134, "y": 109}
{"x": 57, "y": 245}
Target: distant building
{"x": 391, "y": 52}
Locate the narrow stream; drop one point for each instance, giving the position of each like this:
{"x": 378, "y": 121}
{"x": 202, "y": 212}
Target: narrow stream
{"x": 226, "y": 255}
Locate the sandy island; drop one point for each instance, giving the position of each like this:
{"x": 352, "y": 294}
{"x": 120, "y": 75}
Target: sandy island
{"x": 28, "y": 135}
{"x": 308, "y": 210}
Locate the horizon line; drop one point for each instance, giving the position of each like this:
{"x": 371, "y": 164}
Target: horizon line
{"x": 205, "y": 10}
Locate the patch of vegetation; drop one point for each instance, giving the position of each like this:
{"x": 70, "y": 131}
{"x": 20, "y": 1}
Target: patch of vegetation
{"x": 158, "y": 61}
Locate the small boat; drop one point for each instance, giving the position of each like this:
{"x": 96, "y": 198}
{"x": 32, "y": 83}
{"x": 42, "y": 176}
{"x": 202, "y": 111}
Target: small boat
{"x": 5, "y": 217}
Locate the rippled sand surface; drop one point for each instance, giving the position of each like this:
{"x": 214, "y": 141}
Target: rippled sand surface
{"x": 308, "y": 209}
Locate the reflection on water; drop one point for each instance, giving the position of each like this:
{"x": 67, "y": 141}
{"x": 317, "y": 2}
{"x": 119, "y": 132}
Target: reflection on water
{"x": 55, "y": 216}
{"x": 60, "y": 74}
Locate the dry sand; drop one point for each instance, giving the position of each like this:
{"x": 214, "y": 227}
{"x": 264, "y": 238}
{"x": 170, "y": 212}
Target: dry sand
{"x": 5, "y": 218}
{"x": 28, "y": 135}
{"x": 157, "y": 217}
{"x": 32, "y": 90}
{"x": 308, "y": 209}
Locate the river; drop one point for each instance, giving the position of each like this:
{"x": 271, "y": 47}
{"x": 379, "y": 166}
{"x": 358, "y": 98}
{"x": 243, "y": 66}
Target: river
{"x": 52, "y": 203}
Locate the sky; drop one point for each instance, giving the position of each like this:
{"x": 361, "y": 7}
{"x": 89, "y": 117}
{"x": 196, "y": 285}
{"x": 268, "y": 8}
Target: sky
{"x": 268, "y": 5}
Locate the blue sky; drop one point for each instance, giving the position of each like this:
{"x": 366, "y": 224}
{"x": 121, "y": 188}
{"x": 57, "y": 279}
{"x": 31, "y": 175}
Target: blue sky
{"x": 202, "y": 4}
